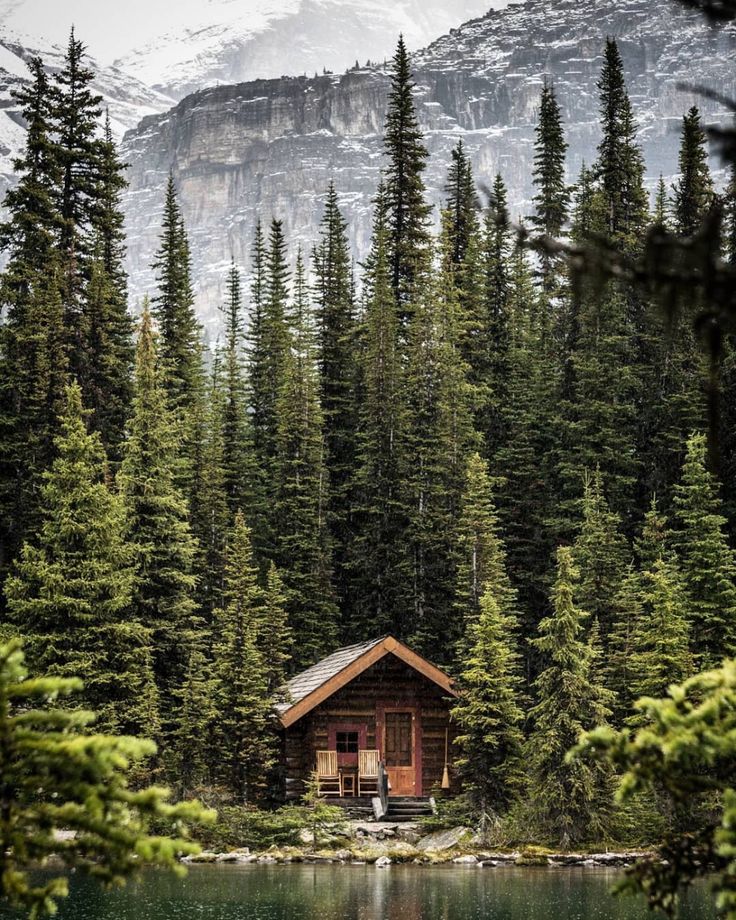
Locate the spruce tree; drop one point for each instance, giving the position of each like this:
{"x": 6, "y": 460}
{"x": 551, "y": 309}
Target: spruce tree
{"x": 407, "y": 210}
{"x": 377, "y": 548}
{"x": 571, "y": 800}
{"x": 707, "y": 562}
{"x": 59, "y": 778}
{"x": 109, "y": 326}
{"x": 275, "y": 636}
{"x": 237, "y": 461}
{"x": 552, "y": 198}
{"x": 33, "y": 346}
{"x": 481, "y": 568}
{"x": 337, "y": 362}
{"x": 70, "y": 594}
{"x": 242, "y": 705}
{"x": 620, "y": 167}
{"x": 173, "y": 309}
{"x": 301, "y": 490}
{"x": 80, "y": 152}
{"x": 497, "y": 332}
{"x": 440, "y": 437}
{"x": 156, "y": 523}
{"x": 600, "y": 554}
{"x": 693, "y": 191}
{"x": 190, "y": 741}
{"x": 489, "y": 715}
{"x": 461, "y": 204}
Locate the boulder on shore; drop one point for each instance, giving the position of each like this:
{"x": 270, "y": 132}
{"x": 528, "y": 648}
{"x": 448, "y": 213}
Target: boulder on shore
{"x": 444, "y": 840}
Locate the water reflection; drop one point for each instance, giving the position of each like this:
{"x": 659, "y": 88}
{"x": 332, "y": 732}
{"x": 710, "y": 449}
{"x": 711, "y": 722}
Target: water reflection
{"x": 366, "y": 893}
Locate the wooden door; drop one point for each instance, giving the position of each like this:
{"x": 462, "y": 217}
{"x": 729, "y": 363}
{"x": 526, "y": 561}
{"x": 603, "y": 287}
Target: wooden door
{"x": 399, "y": 751}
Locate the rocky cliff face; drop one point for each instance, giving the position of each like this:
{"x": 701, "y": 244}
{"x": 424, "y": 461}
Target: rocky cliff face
{"x": 270, "y": 147}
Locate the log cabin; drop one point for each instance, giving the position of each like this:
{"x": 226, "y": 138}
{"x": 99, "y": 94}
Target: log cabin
{"x": 382, "y": 699}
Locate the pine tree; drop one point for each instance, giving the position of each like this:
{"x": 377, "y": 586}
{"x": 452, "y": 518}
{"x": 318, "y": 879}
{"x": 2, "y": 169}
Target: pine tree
{"x": 552, "y": 199}
{"x": 660, "y": 647}
{"x": 488, "y": 713}
{"x": 70, "y": 594}
{"x": 461, "y": 204}
{"x": 208, "y": 509}
{"x": 707, "y": 561}
{"x": 377, "y": 549}
{"x": 481, "y": 568}
{"x": 34, "y": 366}
{"x": 407, "y": 209}
{"x": 156, "y": 523}
{"x": 237, "y": 461}
{"x": 337, "y": 362}
{"x": 661, "y": 205}
{"x": 108, "y": 324}
{"x": 301, "y": 495}
{"x": 693, "y": 191}
{"x": 600, "y": 554}
{"x": 80, "y": 152}
{"x": 242, "y": 705}
{"x": 275, "y": 639}
{"x": 440, "y": 437}
{"x": 497, "y": 332}
{"x": 190, "y": 741}
{"x": 57, "y": 778}
{"x": 571, "y": 800}
{"x": 173, "y": 309}
{"x": 620, "y": 167}
{"x": 33, "y": 347}
{"x": 527, "y": 494}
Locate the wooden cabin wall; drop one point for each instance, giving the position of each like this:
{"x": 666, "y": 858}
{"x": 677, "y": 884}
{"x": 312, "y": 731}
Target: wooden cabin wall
{"x": 389, "y": 682}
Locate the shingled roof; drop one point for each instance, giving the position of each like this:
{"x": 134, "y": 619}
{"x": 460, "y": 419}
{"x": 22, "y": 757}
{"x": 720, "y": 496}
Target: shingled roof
{"x": 309, "y": 688}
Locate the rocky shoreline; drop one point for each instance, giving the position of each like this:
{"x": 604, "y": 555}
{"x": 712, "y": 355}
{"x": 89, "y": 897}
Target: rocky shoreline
{"x": 383, "y": 844}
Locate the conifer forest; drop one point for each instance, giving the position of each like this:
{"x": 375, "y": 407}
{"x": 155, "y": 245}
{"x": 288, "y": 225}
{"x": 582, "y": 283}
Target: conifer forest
{"x": 507, "y": 440}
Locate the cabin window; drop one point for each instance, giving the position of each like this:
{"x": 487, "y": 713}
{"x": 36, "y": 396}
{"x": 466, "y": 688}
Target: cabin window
{"x": 347, "y": 742}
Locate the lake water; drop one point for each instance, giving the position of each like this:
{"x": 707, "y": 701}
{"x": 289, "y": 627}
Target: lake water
{"x": 297, "y": 892}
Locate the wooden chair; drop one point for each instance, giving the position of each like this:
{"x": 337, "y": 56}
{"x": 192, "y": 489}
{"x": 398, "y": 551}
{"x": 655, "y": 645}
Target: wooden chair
{"x": 328, "y": 777}
{"x": 368, "y": 772}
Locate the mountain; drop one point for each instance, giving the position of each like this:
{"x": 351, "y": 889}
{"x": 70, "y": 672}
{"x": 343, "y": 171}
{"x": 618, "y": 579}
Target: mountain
{"x": 269, "y": 147}
{"x": 127, "y": 99}
{"x": 234, "y": 42}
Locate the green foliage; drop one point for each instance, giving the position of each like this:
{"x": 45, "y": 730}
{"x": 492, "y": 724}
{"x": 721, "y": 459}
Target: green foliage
{"x": 58, "y": 777}
{"x": 302, "y": 489}
{"x": 242, "y": 706}
{"x": 707, "y": 561}
{"x": 572, "y": 801}
{"x": 71, "y": 592}
{"x": 156, "y": 522}
{"x": 488, "y": 712}
{"x": 407, "y": 210}
{"x": 684, "y": 747}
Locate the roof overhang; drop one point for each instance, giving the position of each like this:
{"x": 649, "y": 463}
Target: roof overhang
{"x": 388, "y": 646}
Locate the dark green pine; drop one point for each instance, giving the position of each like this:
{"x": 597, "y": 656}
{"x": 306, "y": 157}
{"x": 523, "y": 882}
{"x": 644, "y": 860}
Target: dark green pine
{"x": 302, "y": 542}
{"x": 70, "y": 595}
{"x": 378, "y": 551}
{"x": 407, "y": 208}
{"x": 571, "y": 800}
{"x": 693, "y": 192}
{"x": 157, "y": 524}
{"x": 337, "y": 361}
{"x": 108, "y": 324}
{"x": 552, "y": 198}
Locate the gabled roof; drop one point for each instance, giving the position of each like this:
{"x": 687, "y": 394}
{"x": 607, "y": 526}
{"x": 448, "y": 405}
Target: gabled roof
{"x": 316, "y": 684}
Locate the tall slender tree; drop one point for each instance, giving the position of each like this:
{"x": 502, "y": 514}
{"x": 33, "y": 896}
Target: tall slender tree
{"x": 407, "y": 209}
{"x": 300, "y": 501}
{"x": 693, "y": 191}
{"x": 157, "y": 524}
{"x": 572, "y": 800}
{"x": 707, "y": 561}
{"x": 337, "y": 362}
